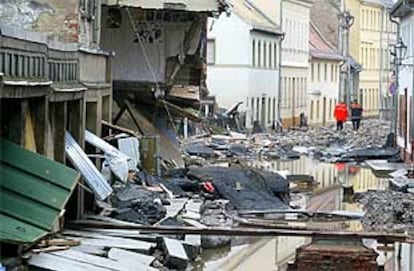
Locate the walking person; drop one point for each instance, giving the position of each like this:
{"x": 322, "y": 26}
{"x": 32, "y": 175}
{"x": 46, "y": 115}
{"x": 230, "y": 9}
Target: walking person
{"x": 356, "y": 115}
{"x": 341, "y": 115}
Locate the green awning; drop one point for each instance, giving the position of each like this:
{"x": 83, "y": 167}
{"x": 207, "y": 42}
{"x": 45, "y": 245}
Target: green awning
{"x": 33, "y": 192}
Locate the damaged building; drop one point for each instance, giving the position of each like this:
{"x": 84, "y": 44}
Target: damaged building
{"x": 159, "y": 62}
{"x": 54, "y": 79}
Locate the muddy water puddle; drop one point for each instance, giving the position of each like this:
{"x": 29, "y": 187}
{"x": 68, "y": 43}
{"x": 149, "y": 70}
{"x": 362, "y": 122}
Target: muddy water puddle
{"x": 328, "y": 195}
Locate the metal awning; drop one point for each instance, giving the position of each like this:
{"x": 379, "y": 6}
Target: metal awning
{"x": 185, "y": 5}
{"x": 33, "y": 192}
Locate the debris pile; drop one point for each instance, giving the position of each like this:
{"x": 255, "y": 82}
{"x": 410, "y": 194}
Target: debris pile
{"x": 372, "y": 134}
{"x": 388, "y": 210}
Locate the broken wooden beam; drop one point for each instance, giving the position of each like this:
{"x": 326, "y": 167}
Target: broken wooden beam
{"x": 380, "y": 236}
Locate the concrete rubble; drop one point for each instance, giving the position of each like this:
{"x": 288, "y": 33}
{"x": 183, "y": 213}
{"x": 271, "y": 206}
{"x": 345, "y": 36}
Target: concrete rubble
{"x": 388, "y": 211}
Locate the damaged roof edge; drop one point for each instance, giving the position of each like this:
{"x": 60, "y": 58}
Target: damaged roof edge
{"x": 183, "y": 5}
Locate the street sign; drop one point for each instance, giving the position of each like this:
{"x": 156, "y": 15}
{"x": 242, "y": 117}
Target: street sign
{"x": 393, "y": 88}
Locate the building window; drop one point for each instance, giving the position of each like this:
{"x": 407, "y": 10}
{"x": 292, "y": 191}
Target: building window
{"x": 265, "y": 54}
{"x": 275, "y": 56}
{"x": 313, "y": 72}
{"x": 258, "y": 109}
{"x": 332, "y": 72}
{"x": 274, "y": 109}
{"x": 319, "y": 72}
{"x": 254, "y": 53}
{"x": 311, "y": 110}
{"x": 270, "y": 56}
{"x": 317, "y": 109}
{"x": 269, "y": 110}
{"x": 252, "y": 110}
{"x": 211, "y": 52}
{"x": 259, "y": 55}
{"x": 326, "y": 72}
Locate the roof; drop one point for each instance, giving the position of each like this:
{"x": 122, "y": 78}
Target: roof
{"x": 33, "y": 192}
{"x": 403, "y": 8}
{"x": 328, "y": 24}
{"x": 184, "y": 5}
{"x": 252, "y": 15}
{"x": 319, "y": 47}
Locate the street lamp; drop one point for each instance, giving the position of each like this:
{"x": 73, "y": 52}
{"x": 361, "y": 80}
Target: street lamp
{"x": 400, "y": 51}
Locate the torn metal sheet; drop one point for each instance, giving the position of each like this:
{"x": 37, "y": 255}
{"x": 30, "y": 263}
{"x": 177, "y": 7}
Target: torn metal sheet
{"x": 80, "y": 160}
{"x": 130, "y": 147}
{"x": 118, "y": 162}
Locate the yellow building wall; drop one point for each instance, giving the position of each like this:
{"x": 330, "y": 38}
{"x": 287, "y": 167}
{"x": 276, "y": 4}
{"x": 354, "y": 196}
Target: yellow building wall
{"x": 371, "y": 28}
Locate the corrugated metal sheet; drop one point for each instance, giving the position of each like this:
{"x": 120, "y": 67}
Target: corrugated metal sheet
{"x": 92, "y": 176}
{"x": 117, "y": 161}
{"x": 189, "y": 5}
{"x": 33, "y": 192}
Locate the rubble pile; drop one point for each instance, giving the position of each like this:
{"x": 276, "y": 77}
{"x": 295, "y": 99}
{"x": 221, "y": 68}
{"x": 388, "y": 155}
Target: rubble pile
{"x": 387, "y": 210}
{"x": 373, "y": 133}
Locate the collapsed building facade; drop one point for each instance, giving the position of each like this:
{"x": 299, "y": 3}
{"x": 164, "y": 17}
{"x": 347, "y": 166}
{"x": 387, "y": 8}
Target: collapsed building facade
{"x": 160, "y": 55}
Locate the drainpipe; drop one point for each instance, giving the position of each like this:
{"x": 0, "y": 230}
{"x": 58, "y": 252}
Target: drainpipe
{"x": 279, "y": 93}
{"x": 412, "y": 111}
{"x": 394, "y": 118}
{"x": 381, "y": 62}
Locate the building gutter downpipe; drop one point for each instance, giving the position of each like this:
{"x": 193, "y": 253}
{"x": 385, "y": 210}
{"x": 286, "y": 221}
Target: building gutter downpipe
{"x": 395, "y": 96}
{"x": 279, "y": 124}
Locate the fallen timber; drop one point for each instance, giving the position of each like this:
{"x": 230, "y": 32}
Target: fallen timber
{"x": 381, "y": 237}
{"x": 341, "y": 214}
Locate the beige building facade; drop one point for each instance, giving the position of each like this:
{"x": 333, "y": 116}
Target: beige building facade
{"x": 371, "y": 39}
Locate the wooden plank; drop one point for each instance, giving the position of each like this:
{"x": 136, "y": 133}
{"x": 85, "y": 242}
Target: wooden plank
{"x": 124, "y": 243}
{"x": 127, "y": 257}
{"x": 119, "y": 128}
{"x": 240, "y": 231}
{"x": 87, "y": 234}
{"x": 194, "y": 223}
{"x": 176, "y": 206}
{"x": 93, "y": 250}
{"x": 109, "y": 219}
{"x": 126, "y": 234}
{"x": 95, "y": 260}
{"x": 53, "y": 262}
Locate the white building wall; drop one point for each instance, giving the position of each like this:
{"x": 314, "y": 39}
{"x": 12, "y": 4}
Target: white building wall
{"x": 406, "y": 76}
{"x": 295, "y": 56}
{"x": 240, "y": 72}
{"x": 323, "y": 91}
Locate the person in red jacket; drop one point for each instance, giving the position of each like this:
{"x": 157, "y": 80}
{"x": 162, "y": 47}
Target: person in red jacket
{"x": 341, "y": 115}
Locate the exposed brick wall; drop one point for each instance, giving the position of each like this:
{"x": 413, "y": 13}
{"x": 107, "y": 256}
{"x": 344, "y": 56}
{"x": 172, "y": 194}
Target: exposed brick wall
{"x": 345, "y": 258}
{"x": 59, "y": 19}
